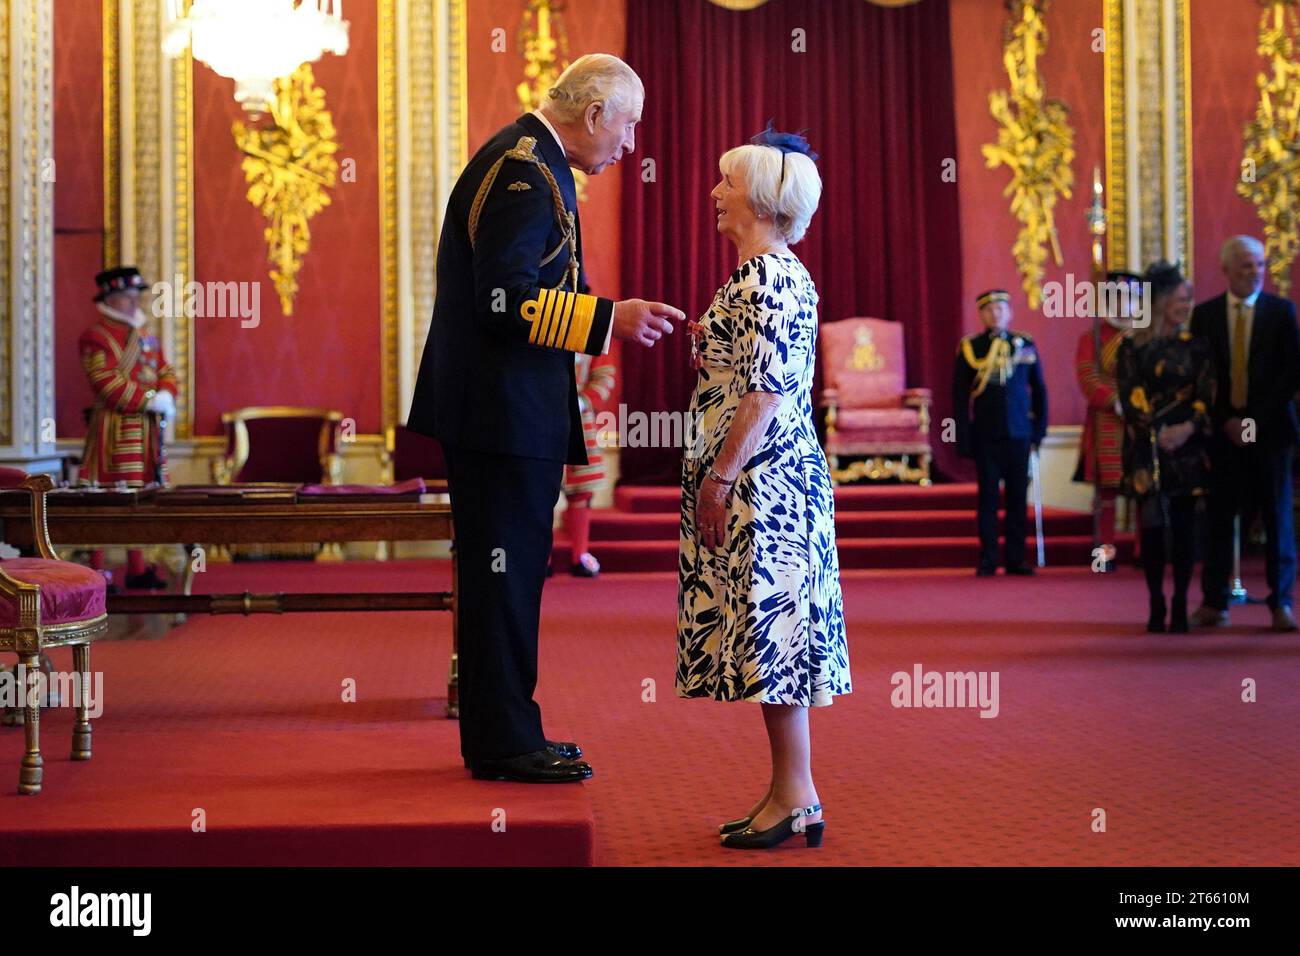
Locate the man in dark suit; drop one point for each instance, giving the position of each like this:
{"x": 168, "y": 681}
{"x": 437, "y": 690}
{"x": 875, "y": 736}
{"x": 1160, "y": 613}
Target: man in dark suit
{"x": 496, "y": 387}
{"x": 1256, "y": 351}
{"x": 1001, "y": 415}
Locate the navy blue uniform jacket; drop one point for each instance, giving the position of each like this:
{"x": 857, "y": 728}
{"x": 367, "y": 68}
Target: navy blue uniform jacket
{"x": 497, "y": 373}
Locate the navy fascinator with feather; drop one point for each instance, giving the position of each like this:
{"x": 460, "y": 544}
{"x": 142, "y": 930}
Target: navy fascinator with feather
{"x": 785, "y": 142}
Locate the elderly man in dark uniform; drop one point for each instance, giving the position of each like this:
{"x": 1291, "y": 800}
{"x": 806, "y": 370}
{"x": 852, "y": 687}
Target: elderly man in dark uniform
{"x": 1001, "y": 414}
{"x": 496, "y": 387}
{"x": 1253, "y": 340}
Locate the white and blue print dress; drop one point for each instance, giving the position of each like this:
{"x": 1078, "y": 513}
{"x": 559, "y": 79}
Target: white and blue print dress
{"x": 762, "y": 618}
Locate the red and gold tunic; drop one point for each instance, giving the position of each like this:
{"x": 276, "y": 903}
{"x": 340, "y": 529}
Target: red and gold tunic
{"x": 595, "y": 383}
{"x": 126, "y": 368}
{"x": 1097, "y": 382}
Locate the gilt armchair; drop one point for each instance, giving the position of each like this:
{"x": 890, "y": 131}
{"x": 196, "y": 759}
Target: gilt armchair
{"x": 45, "y": 603}
{"x": 280, "y": 443}
{"x": 871, "y": 414}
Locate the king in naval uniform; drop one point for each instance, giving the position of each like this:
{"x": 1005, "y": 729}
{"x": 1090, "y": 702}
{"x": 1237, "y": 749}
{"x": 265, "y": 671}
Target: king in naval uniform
{"x": 496, "y": 387}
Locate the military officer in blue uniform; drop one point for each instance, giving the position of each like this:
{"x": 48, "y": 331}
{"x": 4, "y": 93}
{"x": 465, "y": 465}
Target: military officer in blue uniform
{"x": 1001, "y": 415}
{"x": 496, "y": 387}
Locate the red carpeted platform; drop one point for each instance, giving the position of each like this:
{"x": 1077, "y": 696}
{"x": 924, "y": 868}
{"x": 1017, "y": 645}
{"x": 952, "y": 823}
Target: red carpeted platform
{"x": 240, "y": 717}
{"x": 243, "y": 719}
{"x": 877, "y": 527}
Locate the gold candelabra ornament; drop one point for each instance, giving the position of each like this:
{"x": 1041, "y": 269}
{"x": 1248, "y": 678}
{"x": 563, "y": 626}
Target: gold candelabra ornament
{"x": 1271, "y": 157}
{"x": 544, "y": 45}
{"x": 290, "y": 167}
{"x": 1035, "y": 141}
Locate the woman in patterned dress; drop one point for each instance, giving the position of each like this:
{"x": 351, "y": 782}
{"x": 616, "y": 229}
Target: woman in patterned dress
{"x": 1166, "y": 386}
{"x": 760, "y": 613}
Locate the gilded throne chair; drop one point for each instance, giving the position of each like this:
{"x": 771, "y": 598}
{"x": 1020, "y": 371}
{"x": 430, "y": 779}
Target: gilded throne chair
{"x": 46, "y": 603}
{"x": 871, "y": 414}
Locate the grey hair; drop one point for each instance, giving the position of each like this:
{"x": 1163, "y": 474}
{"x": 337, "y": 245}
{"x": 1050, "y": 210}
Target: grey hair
{"x": 790, "y": 200}
{"x": 1229, "y": 248}
{"x": 595, "y": 78}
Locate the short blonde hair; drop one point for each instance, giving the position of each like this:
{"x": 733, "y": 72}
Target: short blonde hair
{"x": 790, "y": 200}
{"x": 595, "y": 78}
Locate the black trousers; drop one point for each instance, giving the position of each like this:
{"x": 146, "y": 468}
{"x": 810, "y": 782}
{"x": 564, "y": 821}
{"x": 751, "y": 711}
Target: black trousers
{"x": 1249, "y": 481}
{"x": 502, "y": 507}
{"x": 1003, "y": 460}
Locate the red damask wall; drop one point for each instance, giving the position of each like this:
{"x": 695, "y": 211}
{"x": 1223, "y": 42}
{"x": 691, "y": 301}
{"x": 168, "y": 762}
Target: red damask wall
{"x": 1224, "y": 94}
{"x": 78, "y": 198}
{"x": 1073, "y": 73}
{"x": 593, "y": 26}
{"x": 328, "y": 352}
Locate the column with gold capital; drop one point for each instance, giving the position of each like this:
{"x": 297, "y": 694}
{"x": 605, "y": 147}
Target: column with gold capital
{"x": 27, "y": 178}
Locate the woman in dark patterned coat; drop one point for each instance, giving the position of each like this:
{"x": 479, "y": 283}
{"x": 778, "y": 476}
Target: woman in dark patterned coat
{"x": 1166, "y": 380}
{"x": 760, "y": 612}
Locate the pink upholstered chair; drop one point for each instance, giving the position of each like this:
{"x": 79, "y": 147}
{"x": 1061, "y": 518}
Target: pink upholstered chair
{"x": 871, "y": 413}
{"x": 44, "y": 603}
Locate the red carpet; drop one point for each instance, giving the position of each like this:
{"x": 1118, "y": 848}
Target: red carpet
{"x": 240, "y": 717}
{"x": 876, "y": 526}
{"x": 243, "y": 718}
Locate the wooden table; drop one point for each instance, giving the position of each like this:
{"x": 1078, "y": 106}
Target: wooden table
{"x": 242, "y": 514}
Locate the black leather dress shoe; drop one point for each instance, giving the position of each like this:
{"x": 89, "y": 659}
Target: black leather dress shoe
{"x": 540, "y": 766}
{"x": 561, "y": 748}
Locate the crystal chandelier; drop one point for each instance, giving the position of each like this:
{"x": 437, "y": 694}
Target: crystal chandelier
{"x": 255, "y": 42}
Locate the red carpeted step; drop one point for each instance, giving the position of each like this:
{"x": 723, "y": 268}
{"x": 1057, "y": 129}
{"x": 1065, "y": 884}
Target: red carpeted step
{"x": 875, "y": 553}
{"x": 612, "y": 525}
{"x": 855, "y": 553}
{"x": 953, "y": 497}
{"x": 877, "y": 526}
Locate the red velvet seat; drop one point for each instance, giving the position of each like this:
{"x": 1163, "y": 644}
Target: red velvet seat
{"x": 69, "y": 592}
{"x": 44, "y": 603}
{"x": 871, "y": 413}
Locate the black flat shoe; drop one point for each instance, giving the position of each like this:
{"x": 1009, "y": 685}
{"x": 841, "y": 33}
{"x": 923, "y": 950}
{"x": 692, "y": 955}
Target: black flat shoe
{"x": 734, "y": 826}
{"x": 1022, "y": 570}
{"x": 751, "y": 839}
{"x": 1178, "y": 623}
{"x": 561, "y": 748}
{"x": 540, "y": 766}
{"x": 1156, "y": 617}
{"x": 146, "y": 581}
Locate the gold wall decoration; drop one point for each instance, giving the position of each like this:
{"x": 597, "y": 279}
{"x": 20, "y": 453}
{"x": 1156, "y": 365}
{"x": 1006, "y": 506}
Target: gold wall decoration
{"x": 544, "y": 45}
{"x": 1035, "y": 141}
{"x": 290, "y": 167}
{"x": 1271, "y": 159}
